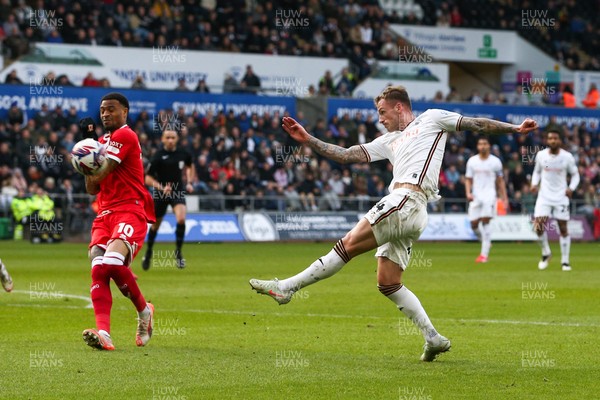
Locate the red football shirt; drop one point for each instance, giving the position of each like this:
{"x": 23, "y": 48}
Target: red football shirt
{"x": 124, "y": 189}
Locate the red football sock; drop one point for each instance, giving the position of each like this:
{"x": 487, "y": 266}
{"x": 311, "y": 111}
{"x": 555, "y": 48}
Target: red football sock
{"x": 126, "y": 283}
{"x": 101, "y": 296}
{"x": 124, "y": 279}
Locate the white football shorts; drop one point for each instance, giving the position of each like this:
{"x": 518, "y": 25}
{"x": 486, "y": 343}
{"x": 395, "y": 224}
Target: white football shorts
{"x": 397, "y": 221}
{"x": 482, "y": 209}
{"x": 560, "y": 211}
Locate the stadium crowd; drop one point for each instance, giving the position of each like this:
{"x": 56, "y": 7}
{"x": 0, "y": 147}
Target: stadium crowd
{"x": 357, "y": 30}
{"x": 250, "y": 154}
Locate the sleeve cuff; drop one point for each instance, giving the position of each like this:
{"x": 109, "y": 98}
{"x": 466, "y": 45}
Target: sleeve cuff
{"x": 113, "y": 157}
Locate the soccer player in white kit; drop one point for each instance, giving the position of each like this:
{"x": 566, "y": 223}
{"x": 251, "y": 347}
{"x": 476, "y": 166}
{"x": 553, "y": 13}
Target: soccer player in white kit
{"x": 484, "y": 181}
{"x": 550, "y": 180}
{"x": 415, "y": 147}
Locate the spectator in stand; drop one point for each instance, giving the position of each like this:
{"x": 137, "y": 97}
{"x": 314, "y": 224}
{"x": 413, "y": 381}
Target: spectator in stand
{"x": 591, "y": 100}
{"x": 230, "y": 85}
{"x": 568, "y": 98}
{"x": 49, "y": 79}
{"x": 251, "y": 80}
{"x": 181, "y": 85}
{"x": 138, "y": 83}
{"x": 15, "y": 114}
{"x": 326, "y": 82}
{"x": 455, "y": 17}
{"x": 349, "y": 79}
{"x": 12, "y": 78}
{"x": 475, "y": 97}
{"x": 202, "y": 87}
{"x": 308, "y": 190}
{"x": 90, "y": 81}
{"x": 438, "y": 97}
{"x": 63, "y": 80}
{"x": 520, "y": 98}
{"x": 453, "y": 95}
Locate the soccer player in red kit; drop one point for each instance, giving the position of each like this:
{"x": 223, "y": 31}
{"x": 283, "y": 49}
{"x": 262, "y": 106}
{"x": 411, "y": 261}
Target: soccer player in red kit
{"x": 119, "y": 230}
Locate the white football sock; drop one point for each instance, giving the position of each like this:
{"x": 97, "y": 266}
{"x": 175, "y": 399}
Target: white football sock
{"x": 145, "y": 312}
{"x": 410, "y": 305}
{"x": 543, "y": 242}
{"x": 322, "y": 268}
{"x": 565, "y": 248}
{"x": 486, "y": 239}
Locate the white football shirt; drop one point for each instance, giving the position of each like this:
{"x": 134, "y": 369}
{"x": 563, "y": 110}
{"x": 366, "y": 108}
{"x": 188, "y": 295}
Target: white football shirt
{"x": 550, "y": 173}
{"x": 484, "y": 174}
{"x": 416, "y": 152}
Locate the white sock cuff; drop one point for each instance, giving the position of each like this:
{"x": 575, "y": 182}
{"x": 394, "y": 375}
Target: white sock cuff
{"x": 114, "y": 258}
{"x": 340, "y": 249}
{"x": 98, "y": 260}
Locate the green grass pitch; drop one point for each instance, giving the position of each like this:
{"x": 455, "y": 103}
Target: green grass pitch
{"x": 516, "y": 332}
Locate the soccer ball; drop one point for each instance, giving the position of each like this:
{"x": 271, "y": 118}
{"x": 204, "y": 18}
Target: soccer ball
{"x": 87, "y": 156}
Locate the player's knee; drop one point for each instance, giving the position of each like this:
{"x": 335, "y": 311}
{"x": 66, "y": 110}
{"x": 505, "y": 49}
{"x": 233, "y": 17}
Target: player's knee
{"x": 94, "y": 252}
{"x": 563, "y": 230}
{"x": 389, "y": 289}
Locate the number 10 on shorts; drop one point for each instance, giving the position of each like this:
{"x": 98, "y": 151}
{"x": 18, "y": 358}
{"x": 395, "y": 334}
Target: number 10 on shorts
{"x": 126, "y": 229}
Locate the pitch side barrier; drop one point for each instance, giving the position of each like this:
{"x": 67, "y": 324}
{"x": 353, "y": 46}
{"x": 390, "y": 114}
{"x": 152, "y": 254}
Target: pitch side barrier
{"x": 86, "y": 101}
{"x": 508, "y": 113}
{"x": 330, "y": 226}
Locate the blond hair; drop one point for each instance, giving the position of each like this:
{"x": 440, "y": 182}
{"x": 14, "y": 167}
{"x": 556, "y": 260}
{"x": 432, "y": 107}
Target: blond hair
{"x": 394, "y": 94}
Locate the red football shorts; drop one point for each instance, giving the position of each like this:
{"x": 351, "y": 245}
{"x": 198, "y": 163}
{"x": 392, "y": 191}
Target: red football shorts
{"x": 131, "y": 227}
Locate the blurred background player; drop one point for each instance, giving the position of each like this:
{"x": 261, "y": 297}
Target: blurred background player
{"x": 5, "y": 278}
{"x": 118, "y": 232}
{"x": 415, "y": 146}
{"x": 164, "y": 174}
{"x": 483, "y": 182}
{"x": 550, "y": 179}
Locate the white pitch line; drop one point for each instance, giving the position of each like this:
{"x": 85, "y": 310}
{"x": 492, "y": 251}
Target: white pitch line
{"x": 55, "y": 295}
{"x": 313, "y": 315}
{"x": 517, "y": 322}
{"x": 461, "y": 320}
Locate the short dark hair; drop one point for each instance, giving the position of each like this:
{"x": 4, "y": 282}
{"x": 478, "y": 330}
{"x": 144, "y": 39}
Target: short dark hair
{"x": 394, "y": 93}
{"x": 556, "y": 133}
{"x": 118, "y": 97}
{"x": 483, "y": 137}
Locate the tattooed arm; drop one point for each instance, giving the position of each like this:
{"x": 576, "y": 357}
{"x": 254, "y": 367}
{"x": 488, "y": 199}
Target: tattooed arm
{"x": 331, "y": 151}
{"x": 337, "y": 153}
{"x": 485, "y": 125}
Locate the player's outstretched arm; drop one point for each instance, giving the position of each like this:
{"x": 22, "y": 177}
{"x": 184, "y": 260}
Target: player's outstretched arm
{"x": 92, "y": 182}
{"x": 486, "y": 125}
{"x": 331, "y": 151}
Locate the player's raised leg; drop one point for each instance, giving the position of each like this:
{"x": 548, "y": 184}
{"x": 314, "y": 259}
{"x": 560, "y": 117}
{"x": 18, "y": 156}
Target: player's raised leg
{"x": 5, "y": 278}
{"x": 389, "y": 282}
{"x": 565, "y": 245}
{"x": 359, "y": 240}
